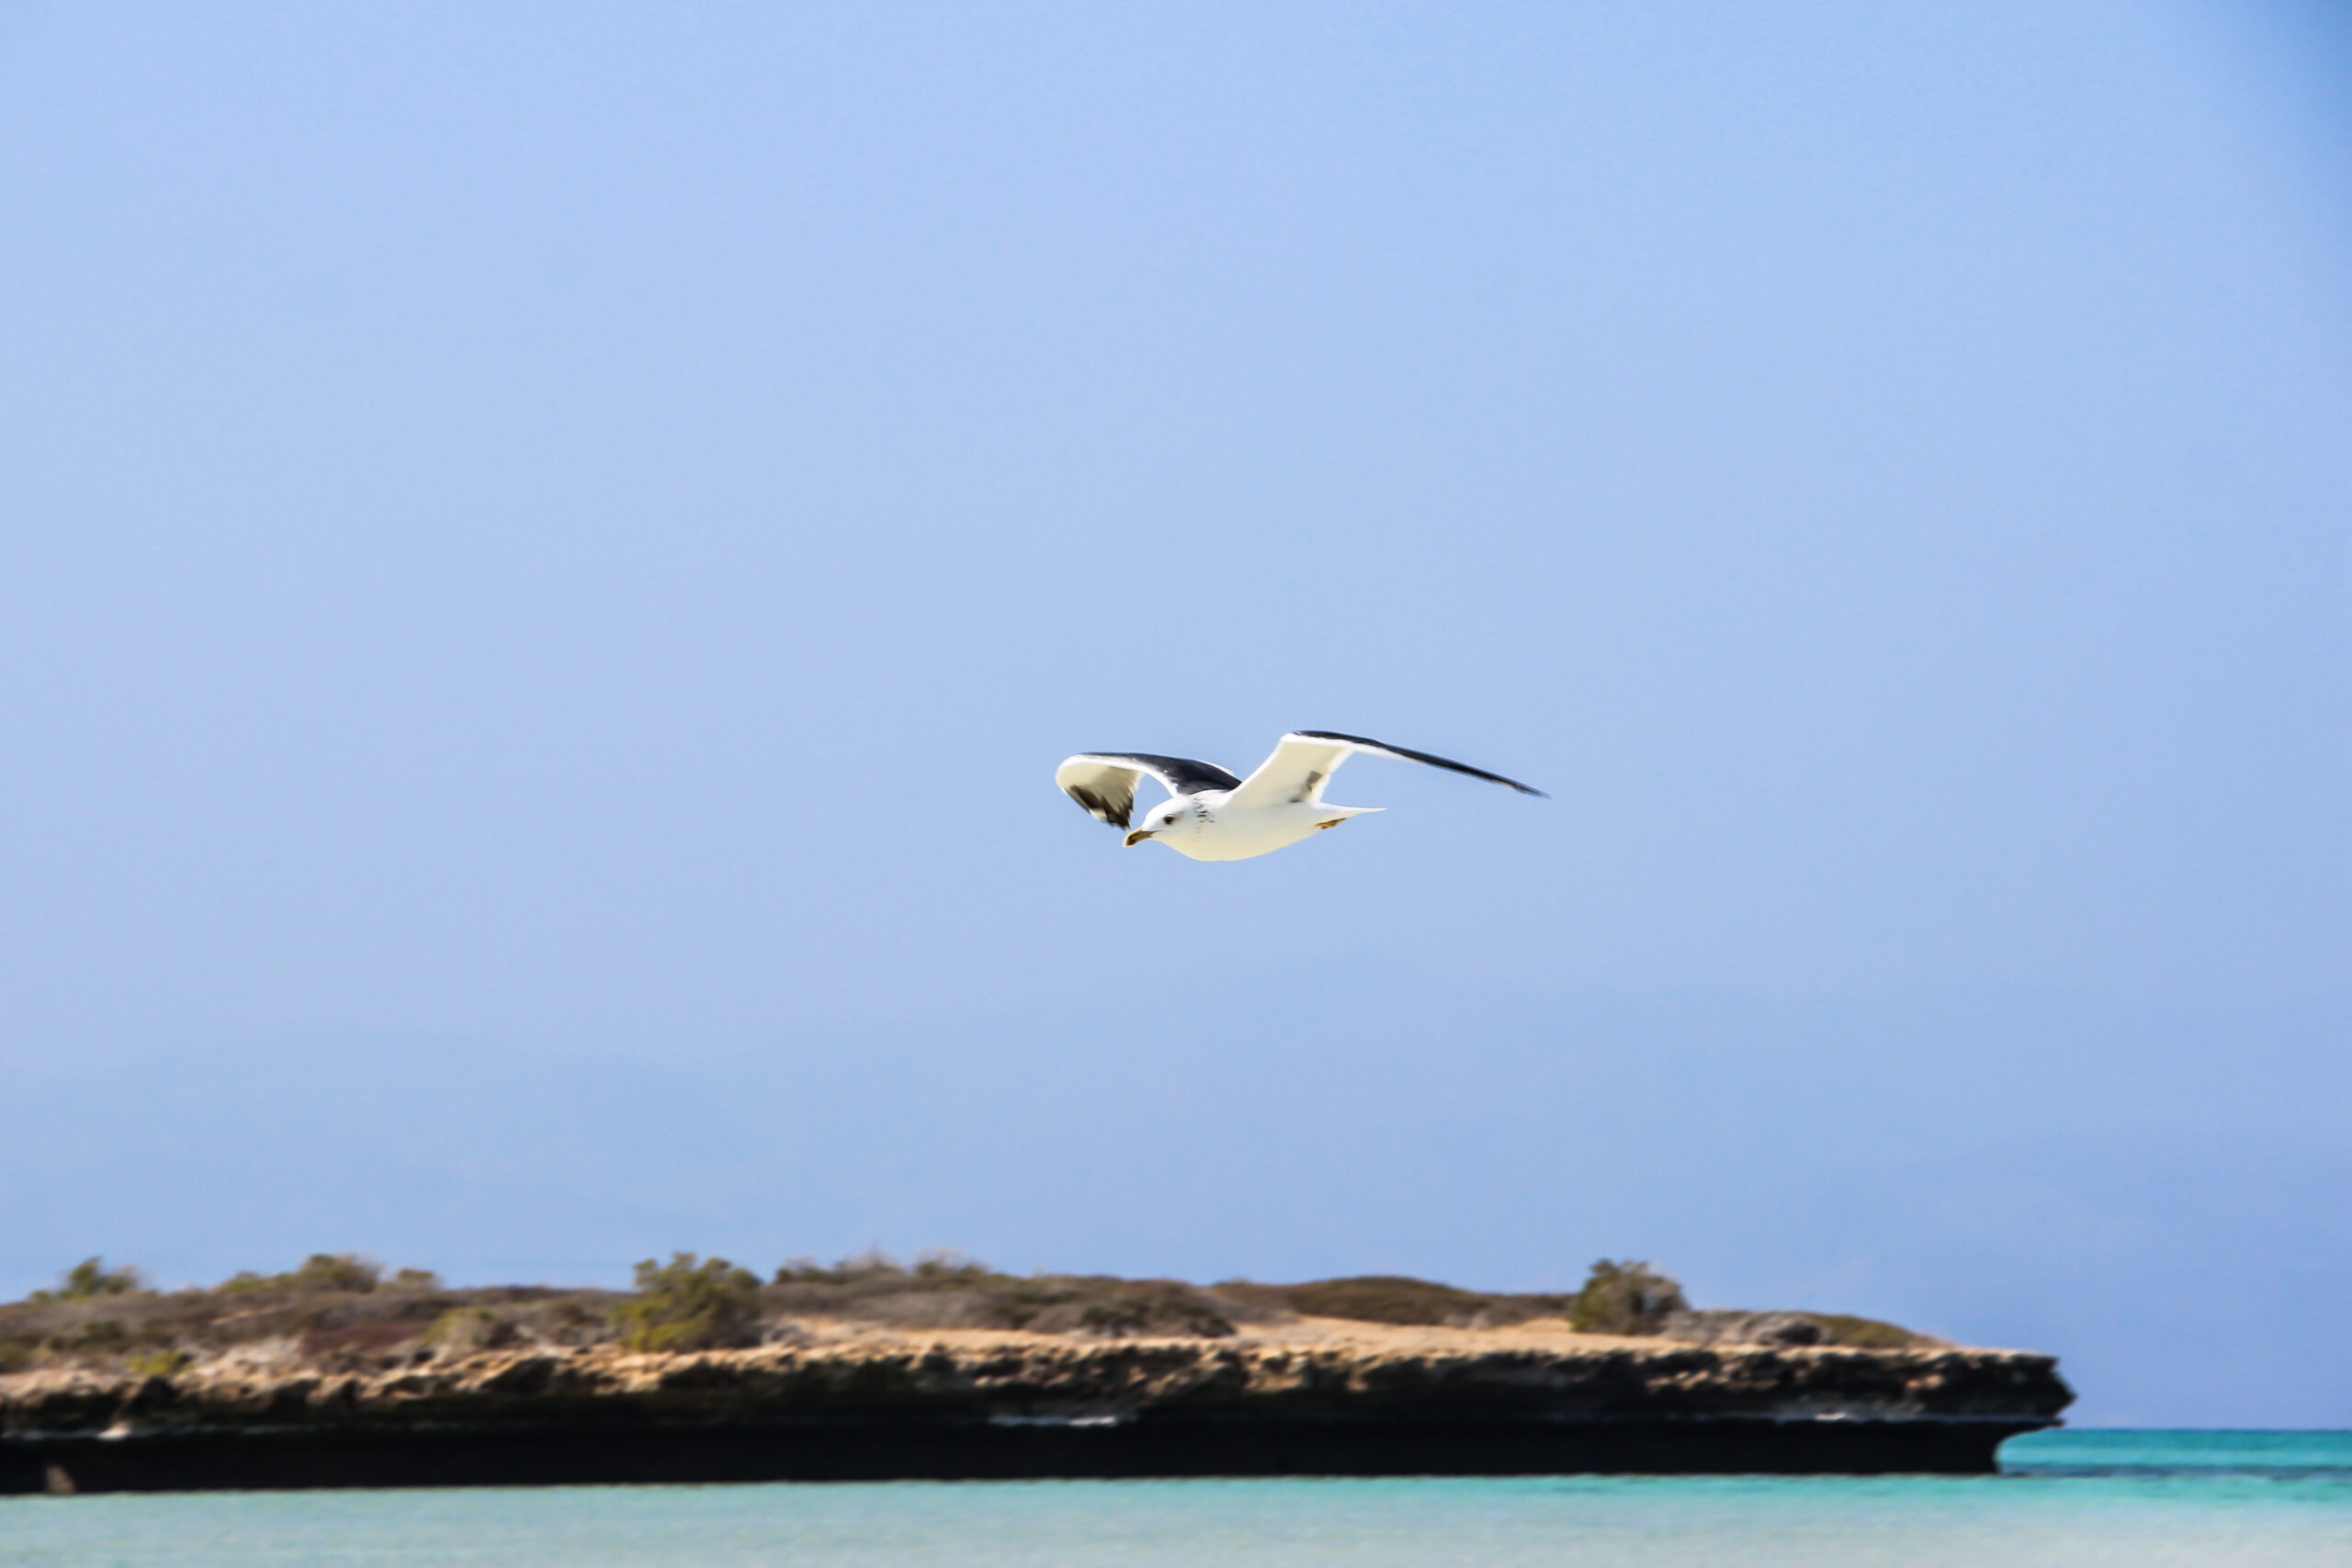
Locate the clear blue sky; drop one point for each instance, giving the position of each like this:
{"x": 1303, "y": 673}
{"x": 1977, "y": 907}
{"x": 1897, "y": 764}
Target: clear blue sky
{"x": 549, "y": 554}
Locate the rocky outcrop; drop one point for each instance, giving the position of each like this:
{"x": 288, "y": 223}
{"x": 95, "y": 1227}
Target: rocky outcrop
{"x": 1008, "y": 1404}
{"x": 1114, "y": 1381}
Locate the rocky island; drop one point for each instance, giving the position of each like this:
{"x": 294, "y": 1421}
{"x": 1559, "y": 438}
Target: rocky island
{"x": 333, "y": 1375}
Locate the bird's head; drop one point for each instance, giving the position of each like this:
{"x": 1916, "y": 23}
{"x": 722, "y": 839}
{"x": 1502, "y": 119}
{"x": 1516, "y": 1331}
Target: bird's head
{"x": 1168, "y": 817}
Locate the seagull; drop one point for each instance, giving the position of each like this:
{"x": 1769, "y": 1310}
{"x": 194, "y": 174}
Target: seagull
{"x": 1211, "y": 815}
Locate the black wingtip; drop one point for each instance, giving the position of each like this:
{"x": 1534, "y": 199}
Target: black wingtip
{"x": 1100, "y": 807}
{"x": 1434, "y": 761}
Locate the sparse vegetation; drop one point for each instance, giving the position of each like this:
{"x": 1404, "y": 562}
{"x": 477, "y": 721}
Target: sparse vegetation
{"x": 1398, "y": 1299}
{"x": 99, "y": 1335}
{"x": 463, "y": 1330}
{"x": 89, "y": 1277}
{"x": 1869, "y": 1333}
{"x": 334, "y": 1310}
{"x": 947, "y": 1291}
{"x": 343, "y": 1271}
{"x": 1792, "y": 1330}
{"x": 341, "y": 1312}
{"x": 1384, "y": 1298}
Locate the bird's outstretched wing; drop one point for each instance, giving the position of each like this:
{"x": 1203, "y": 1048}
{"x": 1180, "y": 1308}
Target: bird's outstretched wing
{"x": 1304, "y": 759}
{"x": 1104, "y": 781}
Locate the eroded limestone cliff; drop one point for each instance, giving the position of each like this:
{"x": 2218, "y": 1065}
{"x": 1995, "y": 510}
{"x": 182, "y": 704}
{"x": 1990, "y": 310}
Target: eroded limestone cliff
{"x": 1311, "y": 1374}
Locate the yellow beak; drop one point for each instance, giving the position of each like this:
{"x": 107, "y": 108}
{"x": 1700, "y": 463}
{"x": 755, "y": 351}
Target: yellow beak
{"x": 1137, "y": 836}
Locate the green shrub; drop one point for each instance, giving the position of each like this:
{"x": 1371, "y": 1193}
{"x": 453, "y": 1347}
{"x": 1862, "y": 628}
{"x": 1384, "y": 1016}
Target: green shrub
{"x": 345, "y": 1271}
{"x": 1624, "y": 1298}
{"x": 688, "y": 1305}
{"x": 91, "y": 1277}
{"x": 337, "y": 1271}
{"x": 949, "y": 1271}
{"x": 158, "y": 1361}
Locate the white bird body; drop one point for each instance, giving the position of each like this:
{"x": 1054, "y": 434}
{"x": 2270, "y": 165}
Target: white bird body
{"x": 1210, "y": 815}
{"x": 1210, "y": 826}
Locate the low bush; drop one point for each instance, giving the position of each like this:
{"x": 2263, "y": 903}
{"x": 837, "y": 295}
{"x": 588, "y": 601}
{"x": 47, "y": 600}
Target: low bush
{"x": 688, "y": 1305}
{"x": 876, "y": 1271}
{"x": 337, "y": 1271}
{"x": 1624, "y": 1298}
{"x": 343, "y": 1271}
{"x": 158, "y": 1361}
{"x": 89, "y": 1277}
{"x": 950, "y": 1270}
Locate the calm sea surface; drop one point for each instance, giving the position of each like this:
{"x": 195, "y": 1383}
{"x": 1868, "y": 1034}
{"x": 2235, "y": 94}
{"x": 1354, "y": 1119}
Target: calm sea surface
{"x": 2264, "y": 1499}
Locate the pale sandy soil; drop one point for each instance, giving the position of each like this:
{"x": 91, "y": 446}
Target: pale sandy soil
{"x": 1304, "y": 1333}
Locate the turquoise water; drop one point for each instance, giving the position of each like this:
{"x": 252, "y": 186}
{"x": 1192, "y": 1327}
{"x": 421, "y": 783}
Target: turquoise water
{"x": 2147, "y": 1499}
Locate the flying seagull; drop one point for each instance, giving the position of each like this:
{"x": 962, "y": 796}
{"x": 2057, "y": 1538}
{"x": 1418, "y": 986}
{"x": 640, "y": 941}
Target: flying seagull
{"x": 1211, "y": 815}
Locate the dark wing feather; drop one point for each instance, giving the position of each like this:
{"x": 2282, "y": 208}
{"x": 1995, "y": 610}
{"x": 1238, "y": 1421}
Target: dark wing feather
{"x": 1104, "y": 781}
{"x": 1383, "y": 748}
